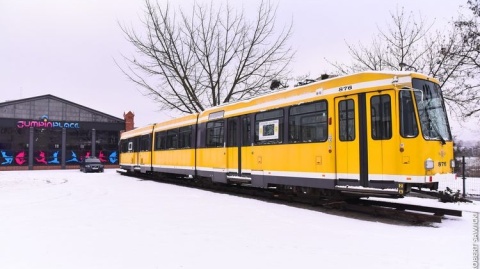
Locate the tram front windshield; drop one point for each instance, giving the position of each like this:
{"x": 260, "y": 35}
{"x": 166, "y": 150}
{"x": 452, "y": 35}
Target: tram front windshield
{"x": 431, "y": 110}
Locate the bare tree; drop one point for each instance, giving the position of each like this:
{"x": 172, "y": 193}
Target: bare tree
{"x": 411, "y": 44}
{"x": 468, "y": 52}
{"x": 190, "y": 61}
{"x": 398, "y": 47}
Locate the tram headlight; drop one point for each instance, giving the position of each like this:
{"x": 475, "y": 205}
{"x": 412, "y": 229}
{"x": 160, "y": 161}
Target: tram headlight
{"x": 452, "y": 163}
{"x": 429, "y": 164}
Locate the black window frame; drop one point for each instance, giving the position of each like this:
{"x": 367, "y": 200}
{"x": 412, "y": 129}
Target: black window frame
{"x": 265, "y": 117}
{"x": 215, "y": 135}
{"x": 185, "y": 137}
{"x": 160, "y": 140}
{"x": 408, "y": 120}
{"x": 144, "y": 143}
{"x": 381, "y": 117}
{"x": 246, "y": 131}
{"x": 346, "y": 120}
{"x": 302, "y": 118}
{"x": 172, "y": 139}
{"x": 232, "y": 132}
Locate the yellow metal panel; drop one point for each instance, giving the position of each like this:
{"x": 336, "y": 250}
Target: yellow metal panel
{"x": 232, "y": 158}
{"x": 347, "y": 152}
{"x": 383, "y": 154}
{"x": 126, "y": 158}
{"x": 247, "y": 155}
{"x": 179, "y": 157}
{"x": 211, "y": 157}
{"x": 144, "y": 158}
{"x": 294, "y": 158}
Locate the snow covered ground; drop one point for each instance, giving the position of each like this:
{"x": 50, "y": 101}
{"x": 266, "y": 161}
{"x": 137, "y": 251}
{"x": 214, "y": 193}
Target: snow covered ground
{"x": 67, "y": 219}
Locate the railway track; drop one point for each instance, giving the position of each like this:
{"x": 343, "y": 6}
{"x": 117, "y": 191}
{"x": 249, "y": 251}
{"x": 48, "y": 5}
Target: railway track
{"x": 399, "y": 211}
{"x": 415, "y": 214}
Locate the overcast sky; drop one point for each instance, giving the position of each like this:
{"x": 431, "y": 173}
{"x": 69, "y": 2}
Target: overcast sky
{"x": 67, "y": 48}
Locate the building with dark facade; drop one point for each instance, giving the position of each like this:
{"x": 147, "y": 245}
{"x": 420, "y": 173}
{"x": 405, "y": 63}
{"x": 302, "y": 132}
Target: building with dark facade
{"x": 46, "y": 132}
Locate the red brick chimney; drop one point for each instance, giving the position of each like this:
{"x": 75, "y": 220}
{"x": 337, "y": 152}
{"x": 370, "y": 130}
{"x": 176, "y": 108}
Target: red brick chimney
{"x": 129, "y": 124}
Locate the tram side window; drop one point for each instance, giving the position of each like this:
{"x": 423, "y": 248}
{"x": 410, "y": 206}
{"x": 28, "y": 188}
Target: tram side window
{"x": 172, "y": 139}
{"x": 160, "y": 140}
{"x": 215, "y": 134}
{"x": 381, "y": 117}
{"x": 346, "y": 120}
{"x": 133, "y": 144}
{"x": 308, "y": 123}
{"x": 124, "y": 146}
{"x": 246, "y": 131}
{"x": 268, "y": 127}
{"x": 408, "y": 121}
{"x": 185, "y": 137}
{"x": 232, "y": 132}
{"x": 145, "y": 144}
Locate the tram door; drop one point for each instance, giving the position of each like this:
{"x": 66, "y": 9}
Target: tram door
{"x": 239, "y": 146}
{"x": 347, "y": 140}
{"x": 381, "y": 143}
{"x": 364, "y": 143}
{"x": 233, "y": 145}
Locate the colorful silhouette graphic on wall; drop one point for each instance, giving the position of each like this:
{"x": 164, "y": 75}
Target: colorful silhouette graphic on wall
{"x": 87, "y": 155}
{"x": 54, "y": 158}
{"x": 73, "y": 159}
{"x": 20, "y": 158}
{"x": 101, "y": 157}
{"x": 113, "y": 157}
{"x": 41, "y": 158}
{"x": 8, "y": 159}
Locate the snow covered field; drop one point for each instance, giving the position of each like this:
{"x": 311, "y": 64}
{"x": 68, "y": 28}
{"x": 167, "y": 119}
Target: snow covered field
{"x": 67, "y": 219}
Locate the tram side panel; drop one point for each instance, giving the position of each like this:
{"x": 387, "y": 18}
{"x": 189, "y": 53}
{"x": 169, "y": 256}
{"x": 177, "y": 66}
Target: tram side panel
{"x": 174, "y": 161}
{"x": 135, "y": 149}
{"x": 425, "y": 162}
{"x": 174, "y": 151}
{"x": 135, "y": 161}
{"x": 293, "y": 147}
{"x": 298, "y": 164}
{"x": 128, "y": 154}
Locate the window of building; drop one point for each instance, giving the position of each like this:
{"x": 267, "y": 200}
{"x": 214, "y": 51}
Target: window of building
{"x": 56, "y": 111}
{"x": 73, "y": 113}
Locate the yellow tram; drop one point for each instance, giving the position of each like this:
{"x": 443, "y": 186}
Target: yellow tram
{"x": 365, "y": 133}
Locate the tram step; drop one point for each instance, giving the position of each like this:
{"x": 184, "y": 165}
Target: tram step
{"x": 392, "y": 193}
{"x": 239, "y": 179}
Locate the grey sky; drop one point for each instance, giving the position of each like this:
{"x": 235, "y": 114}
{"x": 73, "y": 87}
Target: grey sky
{"x": 67, "y": 47}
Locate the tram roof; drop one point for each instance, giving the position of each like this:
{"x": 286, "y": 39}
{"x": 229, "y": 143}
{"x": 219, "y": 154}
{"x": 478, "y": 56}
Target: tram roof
{"x": 311, "y": 91}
